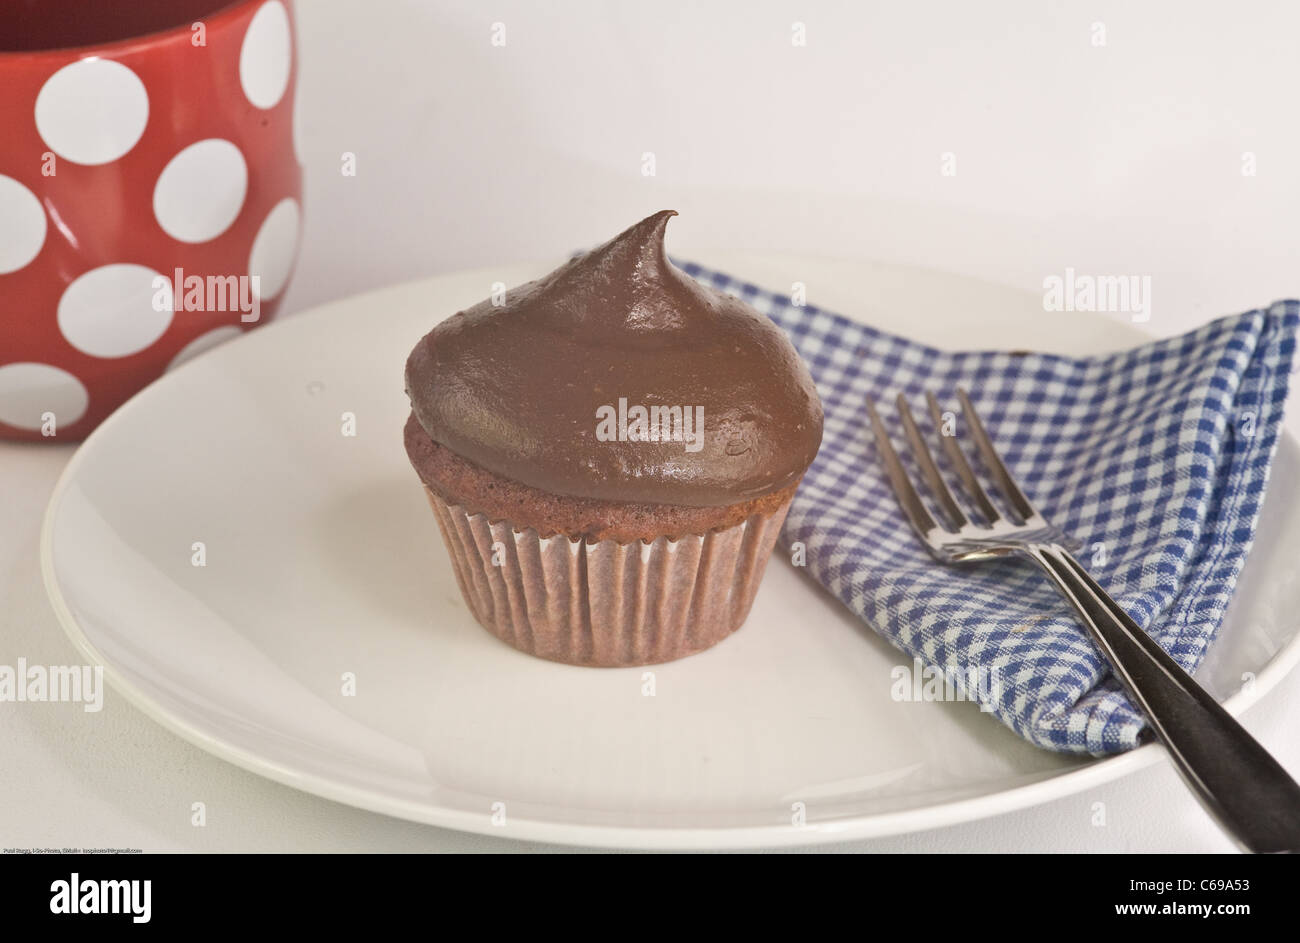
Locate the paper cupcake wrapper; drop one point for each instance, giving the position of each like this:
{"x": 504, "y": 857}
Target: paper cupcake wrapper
{"x": 603, "y": 603}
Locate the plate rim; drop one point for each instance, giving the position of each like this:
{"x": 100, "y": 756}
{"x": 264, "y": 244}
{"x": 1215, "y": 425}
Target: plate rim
{"x": 1092, "y": 772}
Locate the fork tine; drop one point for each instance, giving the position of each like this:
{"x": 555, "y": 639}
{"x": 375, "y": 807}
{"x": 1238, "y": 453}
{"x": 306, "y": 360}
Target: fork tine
{"x": 910, "y": 501}
{"x": 929, "y": 470}
{"x": 993, "y": 463}
{"x": 964, "y": 471}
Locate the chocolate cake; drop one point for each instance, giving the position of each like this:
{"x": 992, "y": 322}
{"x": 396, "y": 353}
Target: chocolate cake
{"x": 610, "y": 451}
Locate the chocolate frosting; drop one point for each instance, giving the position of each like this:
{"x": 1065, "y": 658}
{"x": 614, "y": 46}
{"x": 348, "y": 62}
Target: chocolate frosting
{"x": 530, "y": 387}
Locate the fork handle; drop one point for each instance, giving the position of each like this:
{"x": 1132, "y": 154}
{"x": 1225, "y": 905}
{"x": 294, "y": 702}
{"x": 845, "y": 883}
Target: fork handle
{"x": 1237, "y": 781}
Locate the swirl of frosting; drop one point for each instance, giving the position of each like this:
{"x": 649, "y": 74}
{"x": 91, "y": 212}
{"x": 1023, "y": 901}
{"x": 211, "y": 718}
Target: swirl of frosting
{"x": 618, "y": 376}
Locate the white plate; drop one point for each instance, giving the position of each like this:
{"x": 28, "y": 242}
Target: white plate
{"x": 324, "y": 560}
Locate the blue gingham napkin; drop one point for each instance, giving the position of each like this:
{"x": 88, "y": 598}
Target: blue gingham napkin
{"x": 1155, "y": 459}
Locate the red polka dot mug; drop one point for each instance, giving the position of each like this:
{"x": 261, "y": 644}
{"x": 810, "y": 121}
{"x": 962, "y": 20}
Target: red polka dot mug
{"x": 150, "y": 195}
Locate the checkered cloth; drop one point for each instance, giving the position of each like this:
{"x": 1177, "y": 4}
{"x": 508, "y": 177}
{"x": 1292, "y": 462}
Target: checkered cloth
{"x": 1155, "y": 459}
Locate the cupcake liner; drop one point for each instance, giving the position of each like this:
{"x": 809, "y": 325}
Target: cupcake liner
{"x": 603, "y": 603}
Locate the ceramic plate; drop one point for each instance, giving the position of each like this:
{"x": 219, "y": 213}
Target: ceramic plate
{"x": 325, "y": 645}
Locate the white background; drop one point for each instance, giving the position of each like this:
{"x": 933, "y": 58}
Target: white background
{"x": 1118, "y": 159}
{"x": 1122, "y": 159}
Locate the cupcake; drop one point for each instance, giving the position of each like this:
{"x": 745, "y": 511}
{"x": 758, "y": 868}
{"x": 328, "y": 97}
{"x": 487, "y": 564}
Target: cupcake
{"x": 610, "y": 452}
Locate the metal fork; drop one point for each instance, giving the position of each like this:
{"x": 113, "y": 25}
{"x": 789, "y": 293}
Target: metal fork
{"x": 1238, "y": 782}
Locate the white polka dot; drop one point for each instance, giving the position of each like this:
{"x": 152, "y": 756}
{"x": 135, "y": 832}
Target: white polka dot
{"x": 22, "y": 225}
{"x": 218, "y": 335}
{"x": 116, "y": 310}
{"x": 265, "y": 57}
{"x": 28, "y": 390}
{"x": 92, "y": 111}
{"x": 274, "y": 248}
{"x": 201, "y": 191}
